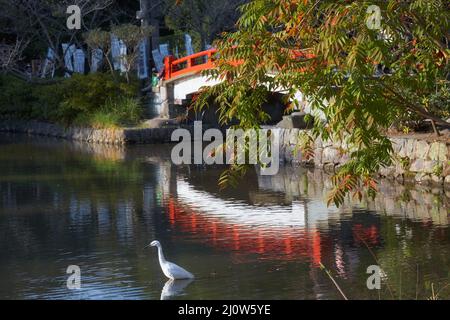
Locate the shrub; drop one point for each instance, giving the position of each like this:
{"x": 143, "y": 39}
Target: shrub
{"x": 439, "y": 101}
{"x": 47, "y": 100}
{"x": 99, "y": 100}
{"x": 88, "y": 94}
{"x": 15, "y": 97}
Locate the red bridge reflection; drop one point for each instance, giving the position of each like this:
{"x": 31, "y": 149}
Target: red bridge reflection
{"x": 302, "y": 231}
{"x": 273, "y": 243}
{"x": 277, "y": 243}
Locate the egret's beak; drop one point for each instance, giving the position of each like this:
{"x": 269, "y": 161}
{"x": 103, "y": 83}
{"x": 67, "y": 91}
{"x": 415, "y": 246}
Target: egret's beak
{"x": 147, "y": 245}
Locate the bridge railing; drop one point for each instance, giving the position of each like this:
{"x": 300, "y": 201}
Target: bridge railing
{"x": 194, "y": 63}
{"x": 205, "y": 60}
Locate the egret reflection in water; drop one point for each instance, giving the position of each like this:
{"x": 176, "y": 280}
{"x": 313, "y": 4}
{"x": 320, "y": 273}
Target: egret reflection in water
{"x": 174, "y": 288}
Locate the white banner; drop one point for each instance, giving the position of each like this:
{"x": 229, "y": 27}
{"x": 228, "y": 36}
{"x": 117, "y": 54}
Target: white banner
{"x": 115, "y": 52}
{"x": 49, "y": 63}
{"x": 188, "y": 44}
{"x": 123, "y": 55}
{"x": 142, "y": 60}
{"x": 118, "y": 53}
{"x": 68, "y": 51}
{"x": 158, "y": 59}
{"x": 164, "y": 49}
{"x": 97, "y": 58}
{"x": 79, "y": 59}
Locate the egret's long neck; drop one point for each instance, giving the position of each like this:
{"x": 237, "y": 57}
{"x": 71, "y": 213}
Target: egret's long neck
{"x": 161, "y": 255}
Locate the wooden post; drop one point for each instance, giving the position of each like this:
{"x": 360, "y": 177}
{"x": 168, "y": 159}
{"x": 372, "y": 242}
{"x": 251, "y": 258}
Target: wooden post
{"x": 168, "y": 67}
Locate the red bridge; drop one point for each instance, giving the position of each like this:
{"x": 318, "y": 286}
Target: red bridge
{"x": 201, "y": 61}
{"x": 194, "y": 63}
{"x": 183, "y": 77}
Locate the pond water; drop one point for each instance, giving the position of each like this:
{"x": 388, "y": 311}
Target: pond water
{"x": 97, "y": 207}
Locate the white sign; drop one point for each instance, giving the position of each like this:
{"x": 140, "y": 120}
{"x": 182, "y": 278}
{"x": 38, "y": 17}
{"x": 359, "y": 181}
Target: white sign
{"x": 79, "y": 59}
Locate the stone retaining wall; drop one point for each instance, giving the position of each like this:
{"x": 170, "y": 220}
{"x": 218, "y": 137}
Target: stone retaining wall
{"x": 118, "y": 136}
{"x": 416, "y": 160}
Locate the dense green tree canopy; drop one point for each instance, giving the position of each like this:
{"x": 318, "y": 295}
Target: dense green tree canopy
{"x": 361, "y": 76}
{"x": 203, "y": 18}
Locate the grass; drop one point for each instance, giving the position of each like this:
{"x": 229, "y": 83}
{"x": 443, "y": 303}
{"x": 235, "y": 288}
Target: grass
{"x": 114, "y": 113}
{"x": 101, "y": 120}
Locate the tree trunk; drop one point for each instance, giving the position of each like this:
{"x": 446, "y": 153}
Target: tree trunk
{"x": 154, "y": 22}
{"x": 204, "y": 38}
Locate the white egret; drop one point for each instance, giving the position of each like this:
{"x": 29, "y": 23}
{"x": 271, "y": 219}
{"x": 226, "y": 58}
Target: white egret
{"x": 170, "y": 270}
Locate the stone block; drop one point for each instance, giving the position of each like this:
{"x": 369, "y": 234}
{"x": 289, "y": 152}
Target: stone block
{"x": 293, "y": 136}
{"x": 437, "y": 179}
{"x": 447, "y": 181}
{"x": 421, "y": 150}
{"x": 388, "y": 172}
{"x": 425, "y": 166}
{"x": 318, "y": 157}
{"x": 422, "y": 177}
{"x": 331, "y": 155}
{"x": 438, "y": 151}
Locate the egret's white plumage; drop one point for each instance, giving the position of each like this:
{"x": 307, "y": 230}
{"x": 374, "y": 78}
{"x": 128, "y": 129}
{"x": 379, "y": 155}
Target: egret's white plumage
{"x": 170, "y": 270}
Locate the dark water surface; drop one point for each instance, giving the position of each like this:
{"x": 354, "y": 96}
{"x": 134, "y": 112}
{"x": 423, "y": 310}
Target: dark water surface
{"x": 65, "y": 203}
